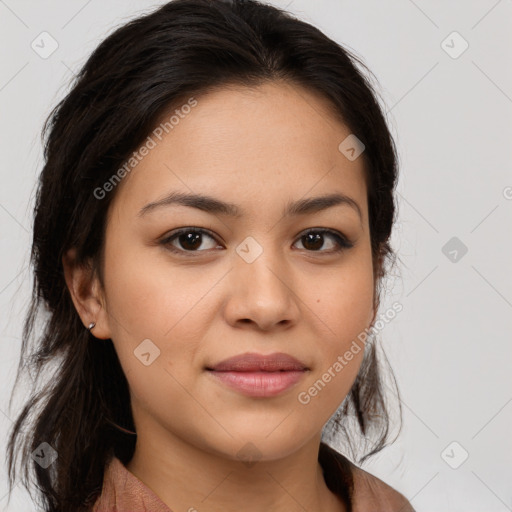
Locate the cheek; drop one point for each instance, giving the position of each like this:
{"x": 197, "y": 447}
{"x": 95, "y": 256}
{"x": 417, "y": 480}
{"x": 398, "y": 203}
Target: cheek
{"x": 147, "y": 302}
{"x": 344, "y": 303}
{"x": 148, "y": 298}
{"x": 343, "y": 313}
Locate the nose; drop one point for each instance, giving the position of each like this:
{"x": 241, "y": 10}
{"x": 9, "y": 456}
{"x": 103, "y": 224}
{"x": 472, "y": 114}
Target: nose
{"x": 262, "y": 295}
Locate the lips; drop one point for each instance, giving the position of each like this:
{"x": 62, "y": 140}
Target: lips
{"x": 257, "y": 375}
{"x": 253, "y": 362}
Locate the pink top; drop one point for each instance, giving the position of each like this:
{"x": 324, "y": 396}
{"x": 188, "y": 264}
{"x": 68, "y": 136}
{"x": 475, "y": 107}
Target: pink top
{"x": 124, "y": 492}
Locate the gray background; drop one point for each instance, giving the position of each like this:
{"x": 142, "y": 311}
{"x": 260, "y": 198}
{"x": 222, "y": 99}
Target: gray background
{"x": 451, "y": 345}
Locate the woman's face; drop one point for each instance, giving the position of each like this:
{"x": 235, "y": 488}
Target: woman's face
{"x": 251, "y": 283}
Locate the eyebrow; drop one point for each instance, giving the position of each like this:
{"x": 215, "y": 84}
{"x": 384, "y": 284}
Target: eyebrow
{"x": 216, "y": 206}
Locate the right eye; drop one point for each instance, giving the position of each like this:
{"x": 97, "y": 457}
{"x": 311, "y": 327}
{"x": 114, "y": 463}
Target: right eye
{"x": 190, "y": 240}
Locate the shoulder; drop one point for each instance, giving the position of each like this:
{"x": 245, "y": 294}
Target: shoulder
{"x": 371, "y": 494}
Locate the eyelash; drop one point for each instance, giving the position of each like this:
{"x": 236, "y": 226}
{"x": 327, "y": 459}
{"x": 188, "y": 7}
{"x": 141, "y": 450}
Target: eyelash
{"x": 342, "y": 241}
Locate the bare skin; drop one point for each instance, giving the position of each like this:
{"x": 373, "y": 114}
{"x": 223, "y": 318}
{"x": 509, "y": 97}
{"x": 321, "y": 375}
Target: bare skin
{"x": 261, "y": 149}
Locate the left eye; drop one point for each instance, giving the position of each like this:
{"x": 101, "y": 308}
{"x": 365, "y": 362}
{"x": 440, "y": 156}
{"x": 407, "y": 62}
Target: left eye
{"x": 315, "y": 237}
{"x": 190, "y": 240}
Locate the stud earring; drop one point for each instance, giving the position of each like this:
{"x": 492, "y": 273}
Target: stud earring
{"x": 91, "y": 325}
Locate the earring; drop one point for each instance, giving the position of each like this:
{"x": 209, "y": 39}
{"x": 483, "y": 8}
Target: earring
{"x": 91, "y": 325}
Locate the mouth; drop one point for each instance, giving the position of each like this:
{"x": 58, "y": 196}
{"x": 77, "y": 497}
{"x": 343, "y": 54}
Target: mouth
{"x": 258, "y": 375}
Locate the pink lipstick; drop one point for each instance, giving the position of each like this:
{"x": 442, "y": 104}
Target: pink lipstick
{"x": 258, "y": 375}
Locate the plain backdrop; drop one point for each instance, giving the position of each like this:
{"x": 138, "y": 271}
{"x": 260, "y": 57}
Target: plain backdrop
{"x": 446, "y": 80}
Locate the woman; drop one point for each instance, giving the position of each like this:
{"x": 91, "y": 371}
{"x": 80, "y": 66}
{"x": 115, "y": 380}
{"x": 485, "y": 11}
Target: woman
{"x": 211, "y": 229}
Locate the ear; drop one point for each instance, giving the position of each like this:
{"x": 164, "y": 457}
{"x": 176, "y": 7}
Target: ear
{"x": 87, "y": 295}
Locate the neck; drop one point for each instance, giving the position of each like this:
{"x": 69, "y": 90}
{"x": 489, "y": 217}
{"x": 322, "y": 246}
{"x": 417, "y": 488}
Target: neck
{"x": 190, "y": 479}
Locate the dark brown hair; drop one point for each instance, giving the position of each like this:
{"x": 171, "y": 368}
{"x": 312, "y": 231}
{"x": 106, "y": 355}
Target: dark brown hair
{"x": 136, "y": 75}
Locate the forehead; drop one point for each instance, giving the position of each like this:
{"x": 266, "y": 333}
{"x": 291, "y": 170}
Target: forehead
{"x": 259, "y": 145}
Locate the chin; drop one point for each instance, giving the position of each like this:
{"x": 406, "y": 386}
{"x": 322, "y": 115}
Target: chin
{"x": 252, "y": 445}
